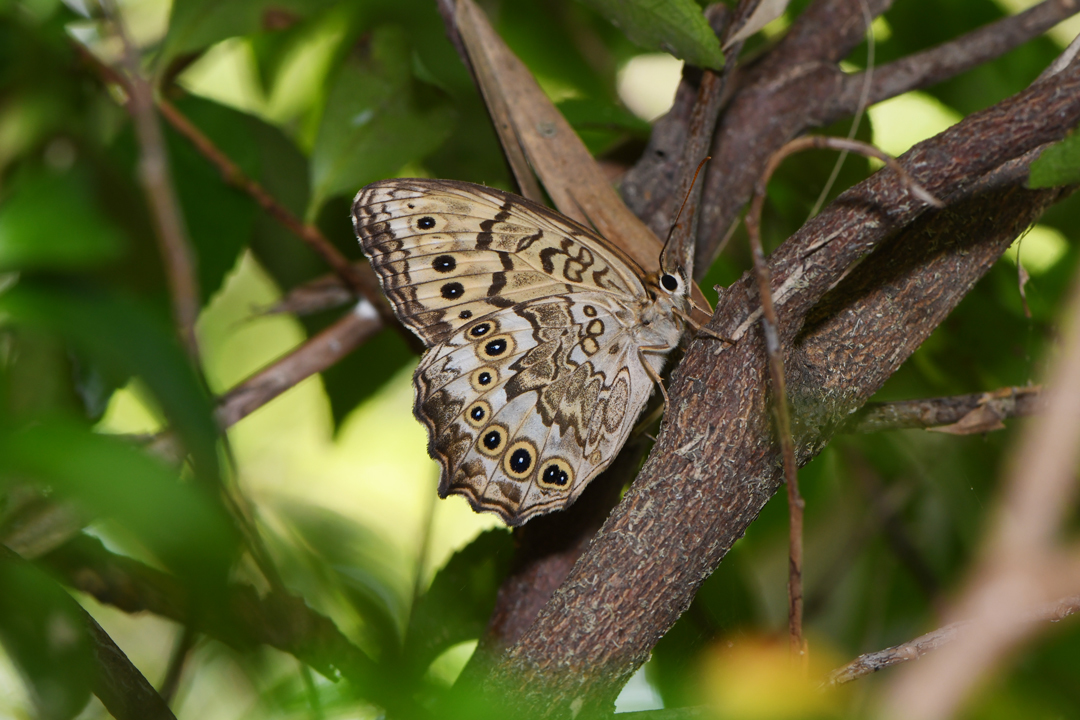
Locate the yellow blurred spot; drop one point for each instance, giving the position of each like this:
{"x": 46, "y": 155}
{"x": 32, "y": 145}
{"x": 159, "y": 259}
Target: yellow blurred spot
{"x": 1039, "y": 249}
{"x": 757, "y": 679}
{"x": 375, "y": 471}
{"x": 557, "y": 90}
{"x": 881, "y": 28}
{"x": 293, "y": 93}
{"x": 131, "y": 410}
{"x": 777, "y": 27}
{"x": 445, "y": 669}
{"x": 647, "y": 84}
{"x": 226, "y": 73}
{"x": 907, "y": 119}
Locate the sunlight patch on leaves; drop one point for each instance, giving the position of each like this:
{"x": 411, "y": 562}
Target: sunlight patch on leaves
{"x": 377, "y": 119}
{"x": 907, "y": 119}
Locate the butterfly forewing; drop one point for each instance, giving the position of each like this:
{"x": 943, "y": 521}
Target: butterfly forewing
{"x": 448, "y": 252}
{"x": 534, "y": 375}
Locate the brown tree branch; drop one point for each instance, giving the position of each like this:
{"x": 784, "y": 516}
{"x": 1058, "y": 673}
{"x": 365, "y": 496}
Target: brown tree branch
{"x": 122, "y": 689}
{"x": 644, "y": 566}
{"x": 648, "y": 188}
{"x": 989, "y": 409}
{"x": 954, "y": 57}
{"x": 315, "y": 355}
{"x": 870, "y": 663}
{"x": 155, "y": 178}
{"x": 799, "y": 85}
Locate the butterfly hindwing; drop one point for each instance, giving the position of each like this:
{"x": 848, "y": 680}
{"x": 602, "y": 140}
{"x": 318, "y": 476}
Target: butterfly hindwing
{"x": 525, "y": 406}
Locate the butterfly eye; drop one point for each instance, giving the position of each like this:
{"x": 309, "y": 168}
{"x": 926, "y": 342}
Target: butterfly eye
{"x": 518, "y": 460}
{"x": 465, "y": 314}
{"x": 556, "y": 473}
{"x": 425, "y": 223}
{"x": 492, "y": 440}
{"x": 670, "y": 282}
{"x": 478, "y": 413}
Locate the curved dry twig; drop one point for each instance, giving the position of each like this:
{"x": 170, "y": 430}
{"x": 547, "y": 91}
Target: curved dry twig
{"x": 770, "y": 325}
{"x": 870, "y": 663}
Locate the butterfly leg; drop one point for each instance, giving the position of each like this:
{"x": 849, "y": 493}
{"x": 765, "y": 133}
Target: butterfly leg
{"x": 649, "y": 368}
{"x": 700, "y": 329}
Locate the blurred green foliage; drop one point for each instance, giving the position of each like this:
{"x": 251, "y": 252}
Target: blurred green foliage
{"x": 350, "y": 91}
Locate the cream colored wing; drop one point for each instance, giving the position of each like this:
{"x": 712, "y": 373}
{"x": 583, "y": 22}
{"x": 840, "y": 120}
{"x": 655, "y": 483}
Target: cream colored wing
{"x": 450, "y": 252}
{"x": 525, "y": 406}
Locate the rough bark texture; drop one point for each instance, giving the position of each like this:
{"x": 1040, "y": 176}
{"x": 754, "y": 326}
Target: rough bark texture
{"x": 780, "y": 88}
{"x": 715, "y": 463}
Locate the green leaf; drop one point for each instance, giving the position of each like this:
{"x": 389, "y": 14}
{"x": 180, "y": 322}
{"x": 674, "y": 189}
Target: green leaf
{"x": 459, "y": 602}
{"x": 363, "y": 567}
{"x": 601, "y": 124}
{"x": 377, "y": 119}
{"x": 219, "y": 217}
{"x": 49, "y": 222}
{"x": 124, "y": 341}
{"x": 44, "y": 633}
{"x": 1058, "y": 164}
{"x": 197, "y": 24}
{"x": 284, "y": 174}
{"x": 674, "y": 26}
{"x": 110, "y": 478}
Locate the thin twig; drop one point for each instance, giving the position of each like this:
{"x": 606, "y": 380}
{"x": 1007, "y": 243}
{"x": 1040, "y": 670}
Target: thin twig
{"x": 361, "y": 284}
{"x": 870, "y": 663}
{"x": 864, "y": 97}
{"x": 359, "y": 279}
{"x": 770, "y": 327}
{"x": 185, "y": 643}
{"x": 160, "y": 194}
{"x": 987, "y": 408}
{"x": 315, "y": 355}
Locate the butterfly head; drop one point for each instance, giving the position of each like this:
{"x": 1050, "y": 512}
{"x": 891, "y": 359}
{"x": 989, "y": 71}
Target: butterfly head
{"x": 669, "y": 287}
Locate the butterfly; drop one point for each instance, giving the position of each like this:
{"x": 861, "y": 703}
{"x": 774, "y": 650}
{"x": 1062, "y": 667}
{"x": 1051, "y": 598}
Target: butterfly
{"x": 544, "y": 340}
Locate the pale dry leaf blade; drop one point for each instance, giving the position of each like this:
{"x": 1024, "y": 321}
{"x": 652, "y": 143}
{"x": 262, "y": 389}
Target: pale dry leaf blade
{"x": 558, "y": 156}
{"x": 752, "y": 16}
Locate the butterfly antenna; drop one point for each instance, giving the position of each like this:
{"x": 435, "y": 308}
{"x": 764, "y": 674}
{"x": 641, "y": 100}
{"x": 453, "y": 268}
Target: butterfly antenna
{"x": 686, "y": 199}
